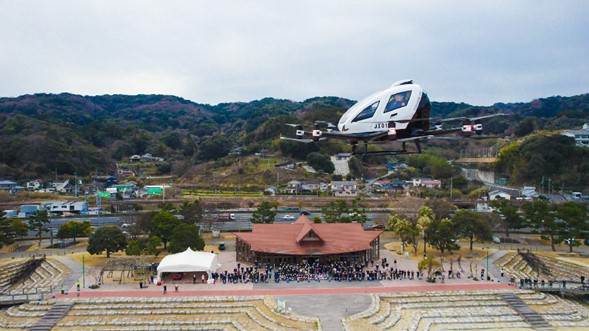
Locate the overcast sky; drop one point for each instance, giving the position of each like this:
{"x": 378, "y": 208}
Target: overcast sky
{"x": 478, "y": 52}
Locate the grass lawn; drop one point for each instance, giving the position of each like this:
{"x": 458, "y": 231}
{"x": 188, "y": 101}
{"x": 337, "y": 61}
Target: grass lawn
{"x": 464, "y": 252}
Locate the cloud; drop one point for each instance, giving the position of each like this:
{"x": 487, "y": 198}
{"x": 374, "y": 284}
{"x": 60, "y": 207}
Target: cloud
{"x": 478, "y": 52}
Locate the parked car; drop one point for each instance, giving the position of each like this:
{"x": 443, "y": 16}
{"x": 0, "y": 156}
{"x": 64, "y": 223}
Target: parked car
{"x": 178, "y": 275}
{"x": 586, "y": 242}
{"x": 221, "y": 246}
{"x": 288, "y": 217}
{"x": 304, "y": 212}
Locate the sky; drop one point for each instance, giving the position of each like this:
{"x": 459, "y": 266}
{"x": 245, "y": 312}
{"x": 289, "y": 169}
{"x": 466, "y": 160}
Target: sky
{"x": 477, "y": 52}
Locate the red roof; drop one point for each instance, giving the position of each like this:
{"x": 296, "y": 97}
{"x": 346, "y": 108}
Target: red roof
{"x": 306, "y": 238}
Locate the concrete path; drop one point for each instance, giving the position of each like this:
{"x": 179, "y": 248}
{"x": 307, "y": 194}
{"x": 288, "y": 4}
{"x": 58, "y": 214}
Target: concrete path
{"x": 75, "y": 275}
{"x": 328, "y": 308}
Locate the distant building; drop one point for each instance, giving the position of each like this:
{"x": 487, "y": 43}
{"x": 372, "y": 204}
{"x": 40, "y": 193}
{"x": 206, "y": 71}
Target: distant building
{"x": 150, "y": 158}
{"x": 344, "y": 189}
{"x": 427, "y": 182}
{"x": 294, "y": 187}
{"x": 26, "y": 211}
{"x": 497, "y": 195}
{"x": 66, "y": 208}
{"x": 125, "y": 173}
{"x": 6, "y": 185}
{"x": 34, "y": 185}
{"x": 343, "y": 156}
{"x": 529, "y": 191}
{"x": 581, "y": 136}
{"x": 61, "y": 187}
{"x": 155, "y": 189}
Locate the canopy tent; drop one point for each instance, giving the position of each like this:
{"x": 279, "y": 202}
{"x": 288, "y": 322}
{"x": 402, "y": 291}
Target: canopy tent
{"x": 189, "y": 261}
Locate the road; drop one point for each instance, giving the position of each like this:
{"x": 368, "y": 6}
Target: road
{"x": 241, "y": 222}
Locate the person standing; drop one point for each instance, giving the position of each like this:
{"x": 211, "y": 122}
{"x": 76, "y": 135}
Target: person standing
{"x": 165, "y": 289}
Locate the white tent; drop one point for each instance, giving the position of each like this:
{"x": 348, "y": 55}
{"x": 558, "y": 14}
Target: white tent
{"x": 189, "y": 261}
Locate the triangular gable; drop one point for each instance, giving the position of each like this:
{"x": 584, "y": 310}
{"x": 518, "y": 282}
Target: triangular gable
{"x": 307, "y": 231}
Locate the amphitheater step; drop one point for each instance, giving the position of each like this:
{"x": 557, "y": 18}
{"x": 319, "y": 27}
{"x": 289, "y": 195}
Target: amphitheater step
{"x": 57, "y": 312}
{"x": 528, "y": 314}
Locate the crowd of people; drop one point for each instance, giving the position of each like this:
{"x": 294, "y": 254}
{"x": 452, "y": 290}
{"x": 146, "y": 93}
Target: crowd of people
{"x": 341, "y": 270}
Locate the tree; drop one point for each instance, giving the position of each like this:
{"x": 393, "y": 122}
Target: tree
{"x": 508, "y": 215}
{"x": 574, "y": 225}
{"x": 333, "y": 211}
{"x": 164, "y": 224}
{"x": 73, "y": 229}
{"x": 358, "y": 212}
{"x": 355, "y": 166}
{"x": 193, "y": 212}
{"x": 443, "y": 235}
{"x": 10, "y": 228}
{"x": 428, "y": 264}
{"x": 143, "y": 246}
{"x": 265, "y": 212}
{"x": 38, "y": 223}
{"x": 471, "y": 225}
{"x": 320, "y": 162}
{"x": 107, "y": 238}
{"x": 425, "y": 216}
{"x": 541, "y": 215}
{"x": 214, "y": 147}
{"x": 408, "y": 233}
{"x": 184, "y": 236}
{"x": 441, "y": 207}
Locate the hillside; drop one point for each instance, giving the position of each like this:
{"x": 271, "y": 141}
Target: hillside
{"x": 45, "y": 135}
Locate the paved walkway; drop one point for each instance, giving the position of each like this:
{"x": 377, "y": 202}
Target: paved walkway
{"x": 286, "y": 291}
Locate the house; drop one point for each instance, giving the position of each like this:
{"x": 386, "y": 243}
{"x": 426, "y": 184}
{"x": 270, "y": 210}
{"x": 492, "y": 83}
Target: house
{"x": 110, "y": 181}
{"x": 147, "y": 157}
{"x": 581, "y": 136}
{"x": 379, "y": 184}
{"x": 61, "y": 187}
{"x": 529, "y": 192}
{"x": 395, "y": 185}
{"x": 427, "y": 182}
{"x": 125, "y": 173}
{"x": 344, "y": 189}
{"x": 126, "y": 190}
{"x": 294, "y": 187}
{"x": 6, "y": 185}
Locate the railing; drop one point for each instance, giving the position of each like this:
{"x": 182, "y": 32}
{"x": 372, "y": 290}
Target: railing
{"x": 18, "y": 298}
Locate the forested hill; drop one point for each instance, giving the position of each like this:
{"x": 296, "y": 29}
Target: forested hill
{"x": 67, "y": 133}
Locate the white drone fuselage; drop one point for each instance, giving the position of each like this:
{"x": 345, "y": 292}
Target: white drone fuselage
{"x": 392, "y": 108}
